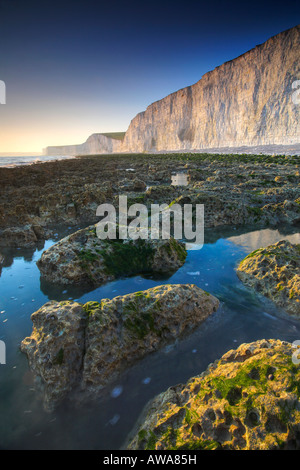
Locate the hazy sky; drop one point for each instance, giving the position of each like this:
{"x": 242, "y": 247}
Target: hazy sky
{"x": 73, "y": 68}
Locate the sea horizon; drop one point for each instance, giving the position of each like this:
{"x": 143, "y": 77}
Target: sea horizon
{"x": 11, "y": 161}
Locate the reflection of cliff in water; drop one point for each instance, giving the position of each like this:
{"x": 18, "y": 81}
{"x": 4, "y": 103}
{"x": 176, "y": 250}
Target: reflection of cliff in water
{"x": 248, "y": 236}
{"x": 263, "y": 238}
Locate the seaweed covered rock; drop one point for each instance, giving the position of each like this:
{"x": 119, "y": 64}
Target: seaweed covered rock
{"x": 274, "y": 272}
{"x": 85, "y": 347}
{"x": 83, "y": 258}
{"x": 247, "y": 400}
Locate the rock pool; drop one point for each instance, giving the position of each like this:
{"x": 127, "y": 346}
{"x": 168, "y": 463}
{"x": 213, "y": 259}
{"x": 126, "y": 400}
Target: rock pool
{"x": 105, "y": 424}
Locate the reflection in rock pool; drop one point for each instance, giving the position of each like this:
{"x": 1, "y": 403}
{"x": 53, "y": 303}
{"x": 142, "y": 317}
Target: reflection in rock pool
{"x": 242, "y": 317}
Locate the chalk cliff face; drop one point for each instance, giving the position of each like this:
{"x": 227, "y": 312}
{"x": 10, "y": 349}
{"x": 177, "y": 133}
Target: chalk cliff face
{"x": 244, "y": 102}
{"x": 247, "y": 101}
{"x": 96, "y": 143}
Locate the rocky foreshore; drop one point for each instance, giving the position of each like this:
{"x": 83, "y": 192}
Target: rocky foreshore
{"x": 247, "y": 400}
{"x": 235, "y": 190}
{"x": 82, "y": 348}
{"x": 274, "y": 272}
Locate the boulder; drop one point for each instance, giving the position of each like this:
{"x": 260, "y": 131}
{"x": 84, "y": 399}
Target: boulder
{"x": 83, "y": 258}
{"x": 274, "y": 272}
{"x": 247, "y": 400}
{"x": 85, "y": 347}
{"x": 55, "y": 348}
{"x": 18, "y": 237}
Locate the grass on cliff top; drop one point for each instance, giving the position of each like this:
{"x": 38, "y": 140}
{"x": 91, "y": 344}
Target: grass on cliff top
{"x": 114, "y": 135}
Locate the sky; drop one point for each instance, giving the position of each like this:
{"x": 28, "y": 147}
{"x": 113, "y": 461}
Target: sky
{"x": 73, "y": 68}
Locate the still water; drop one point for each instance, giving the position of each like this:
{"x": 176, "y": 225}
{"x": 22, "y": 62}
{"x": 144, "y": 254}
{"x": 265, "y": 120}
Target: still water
{"x": 105, "y": 424}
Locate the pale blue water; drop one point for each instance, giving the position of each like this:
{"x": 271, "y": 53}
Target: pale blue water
{"x": 242, "y": 317}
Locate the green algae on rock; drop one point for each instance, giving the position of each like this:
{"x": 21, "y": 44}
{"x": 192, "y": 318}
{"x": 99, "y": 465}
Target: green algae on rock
{"x": 86, "y": 347}
{"x": 83, "y": 258}
{"x": 274, "y": 272}
{"x": 247, "y": 400}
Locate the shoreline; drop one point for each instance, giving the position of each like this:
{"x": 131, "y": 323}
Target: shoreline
{"x": 36, "y": 161}
{"x": 292, "y": 150}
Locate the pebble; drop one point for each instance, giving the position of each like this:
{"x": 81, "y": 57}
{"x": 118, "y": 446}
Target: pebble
{"x": 114, "y": 419}
{"x": 116, "y": 392}
{"x": 146, "y": 381}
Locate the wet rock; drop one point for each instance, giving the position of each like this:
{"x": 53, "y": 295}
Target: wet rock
{"x": 18, "y": 237}
{"x": 138, "y": 185}
{"x": 244, "y": 414}
{"x": 55, "y": 348}
{"x": 83, "y": 258}
{"x": 274, "y": 272}
{"x": 83, "y": 348}
{"x": 1, "y": 262}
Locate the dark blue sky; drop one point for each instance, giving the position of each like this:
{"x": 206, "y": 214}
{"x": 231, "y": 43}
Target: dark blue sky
{"x": 72, "y": 68}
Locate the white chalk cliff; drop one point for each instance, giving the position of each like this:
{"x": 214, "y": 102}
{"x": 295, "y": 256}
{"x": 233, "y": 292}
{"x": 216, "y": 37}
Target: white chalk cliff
{"x": 96, "y": 143}
{"x": 249, "y": 101}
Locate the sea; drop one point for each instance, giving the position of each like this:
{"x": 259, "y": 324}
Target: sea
{"x": 12, "y": 161}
